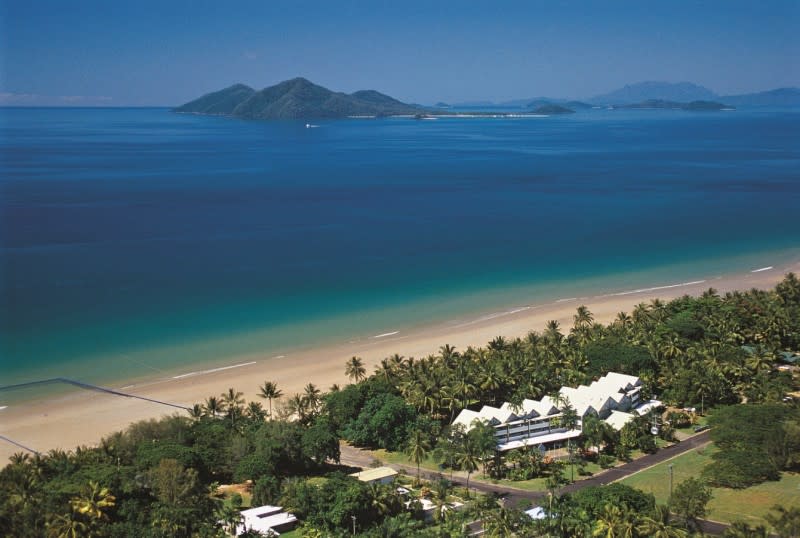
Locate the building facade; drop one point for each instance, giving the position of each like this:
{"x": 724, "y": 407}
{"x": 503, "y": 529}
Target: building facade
{"x": 538, "y": 422}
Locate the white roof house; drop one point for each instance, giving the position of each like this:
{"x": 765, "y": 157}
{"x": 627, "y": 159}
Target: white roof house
{"x": 379, "y": 475}
{"x": 537, "y": 512}
{"x": 266, "y": 519}
{"x": 429, "y": 507}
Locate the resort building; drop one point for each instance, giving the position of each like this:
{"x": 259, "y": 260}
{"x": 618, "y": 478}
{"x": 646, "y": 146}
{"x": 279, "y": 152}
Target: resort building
{"x": 538, "y": 422}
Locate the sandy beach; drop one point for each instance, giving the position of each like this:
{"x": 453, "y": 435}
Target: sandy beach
{"x": 84, "y": 417}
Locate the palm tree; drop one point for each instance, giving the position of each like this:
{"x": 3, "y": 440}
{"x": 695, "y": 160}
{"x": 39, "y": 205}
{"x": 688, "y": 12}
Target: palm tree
{"x": 66, "y": 526}
{"x": 256, "y": 411}
{"x": 551, "y": 331}
{"x": 658, "y": 525}
{"x": 18, "y": 458}
{"x": 613, "y": 522}
{"x": 465, "y": 390}
{"x": 760, "y": 360}
{"x": 297, "y": 405}
{"x": 671, "y": 347}
{"x": 233, "y": 401}
{"x": 569, "y": 420}
{"x": 93, "y": 501}
{"x": 312, "y": 395}
{"x": 383, "y": 499}
{"x": 214, "y": 406}
{"x": 269, "y": 391}
{"x": 498, "y": 344}
{"x": 354, "y": 369}
{"x": 583, "y": 318}
{"x": 467, "y": 458}
{"x": 196, "y": 411}
{"x": 232, "y": 398}
{"x": 417, "y": 448}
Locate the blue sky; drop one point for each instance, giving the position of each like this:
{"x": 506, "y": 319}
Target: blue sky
{"x": 170, "y": 51}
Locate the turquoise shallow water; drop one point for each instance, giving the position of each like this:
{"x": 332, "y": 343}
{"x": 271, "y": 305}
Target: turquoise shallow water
{"x": 151, "y": 238}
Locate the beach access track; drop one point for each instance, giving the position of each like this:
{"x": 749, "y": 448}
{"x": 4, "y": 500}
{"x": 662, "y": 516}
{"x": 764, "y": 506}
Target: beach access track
{"x": 81, "y": 385}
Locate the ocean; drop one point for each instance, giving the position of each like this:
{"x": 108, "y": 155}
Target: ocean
{"x": 138, "y": 243}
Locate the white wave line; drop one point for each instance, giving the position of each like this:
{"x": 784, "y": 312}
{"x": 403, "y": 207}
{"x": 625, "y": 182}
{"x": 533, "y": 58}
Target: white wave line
{"x": 385, "y": 334}
{"x": 656, "y": 288}
{"x": 3, "y": 407}
{"x": 213, "y": 370}
{"x": 568, "y": 299}
{"x": 762, "y": 269}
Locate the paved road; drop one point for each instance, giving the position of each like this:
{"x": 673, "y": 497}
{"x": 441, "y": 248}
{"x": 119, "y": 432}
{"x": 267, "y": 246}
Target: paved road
{"x": 359, "y": 458}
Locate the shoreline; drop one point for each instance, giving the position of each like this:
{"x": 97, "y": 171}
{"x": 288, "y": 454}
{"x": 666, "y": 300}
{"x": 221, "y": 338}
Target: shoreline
{"x": 82, "y": 418}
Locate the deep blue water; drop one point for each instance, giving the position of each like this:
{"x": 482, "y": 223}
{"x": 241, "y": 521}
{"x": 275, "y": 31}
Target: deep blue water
{"x": 147, "y": 236}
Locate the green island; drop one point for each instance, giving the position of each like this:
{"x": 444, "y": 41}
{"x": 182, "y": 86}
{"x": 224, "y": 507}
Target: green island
{"x": 293, "y": 99}
{"x": 715, "y": 369}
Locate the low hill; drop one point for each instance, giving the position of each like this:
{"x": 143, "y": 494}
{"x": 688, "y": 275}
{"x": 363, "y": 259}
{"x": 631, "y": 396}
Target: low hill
{"x": 577, "y": 104}
{"x": 673, "y": 105}
{"x": 551, "y": 109}
{"x": 543, "y": 101}
{"x": 776, "y": 97}
{"x": 297, "y": 98}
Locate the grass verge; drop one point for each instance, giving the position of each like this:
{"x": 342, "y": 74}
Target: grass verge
{"x": 727, "y": 505}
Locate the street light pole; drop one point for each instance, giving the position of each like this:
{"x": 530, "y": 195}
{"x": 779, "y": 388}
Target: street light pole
{"x": 670, "y": 482}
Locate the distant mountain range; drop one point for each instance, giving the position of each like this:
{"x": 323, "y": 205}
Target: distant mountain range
{"x": 674, "y": 105}
{"x": 680, "y": 92}
{"x": 688, "y": 92}
{"x": 297, "y": 98}
{"x": 777, "y": 97}
{"x": 643, "y": 91}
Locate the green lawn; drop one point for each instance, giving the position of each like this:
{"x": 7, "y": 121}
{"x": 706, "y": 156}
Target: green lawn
{"x": 399, "y": 458}
{"x": 727, "y": 505}
{"x": 536, "y": 484}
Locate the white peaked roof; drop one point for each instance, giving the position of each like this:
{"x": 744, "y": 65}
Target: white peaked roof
{"x": 605, "y": 394}
{"x": 465, "y": 418}
{"x": 539, "y": 408}
{"x": 618, "y": 419}
{"x": 516, "y": 410}
{"x": 490, "y": 414}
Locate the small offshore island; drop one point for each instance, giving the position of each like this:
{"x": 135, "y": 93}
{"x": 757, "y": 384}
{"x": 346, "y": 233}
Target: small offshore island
{"x": 295, "y": 99}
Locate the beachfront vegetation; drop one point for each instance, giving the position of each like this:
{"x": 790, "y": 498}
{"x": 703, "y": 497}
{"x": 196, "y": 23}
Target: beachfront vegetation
{"x": 159, "y": 478}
